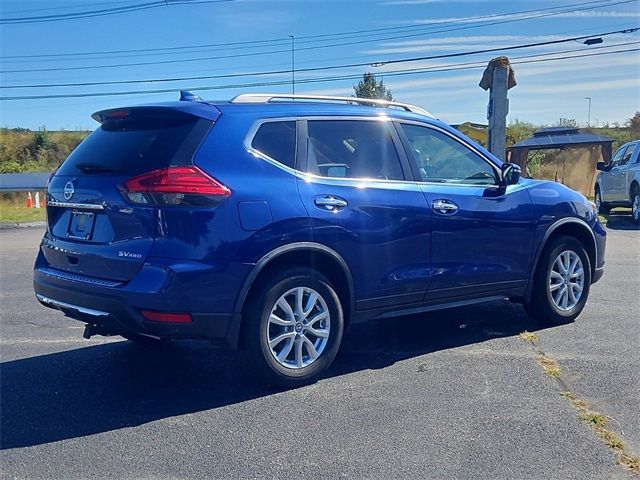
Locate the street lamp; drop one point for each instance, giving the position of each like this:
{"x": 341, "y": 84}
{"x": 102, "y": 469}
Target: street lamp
{"x": 293, "y": 64}
{"x": 589, "y": 115}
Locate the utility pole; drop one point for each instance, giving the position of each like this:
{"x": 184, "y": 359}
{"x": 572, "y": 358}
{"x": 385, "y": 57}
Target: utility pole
{"x": 293, "y": 64}
{"x": 589, "y": 114}
{"x": 498, "y": 77}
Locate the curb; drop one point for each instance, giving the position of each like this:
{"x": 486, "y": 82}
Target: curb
{"x": 8, "y": 225}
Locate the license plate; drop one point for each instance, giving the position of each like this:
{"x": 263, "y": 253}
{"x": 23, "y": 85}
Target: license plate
{"x": 81, "y": 225}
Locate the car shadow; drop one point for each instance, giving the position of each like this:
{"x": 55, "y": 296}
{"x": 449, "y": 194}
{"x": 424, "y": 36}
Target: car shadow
{"x": 120, "y": 384}
{"x": 620, "y": 219}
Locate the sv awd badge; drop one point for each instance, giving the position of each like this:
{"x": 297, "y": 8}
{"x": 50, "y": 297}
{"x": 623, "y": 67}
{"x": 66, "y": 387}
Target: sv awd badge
{"x": 129, "y": 254}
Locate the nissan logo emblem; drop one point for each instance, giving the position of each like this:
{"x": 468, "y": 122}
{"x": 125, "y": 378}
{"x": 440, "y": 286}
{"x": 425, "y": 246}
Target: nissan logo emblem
{"x": 68, "y": 190}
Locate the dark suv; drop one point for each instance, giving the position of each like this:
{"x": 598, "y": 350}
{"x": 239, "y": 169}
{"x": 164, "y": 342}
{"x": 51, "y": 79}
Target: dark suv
{"x": 274, "y": 222}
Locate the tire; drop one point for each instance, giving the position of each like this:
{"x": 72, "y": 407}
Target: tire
{"x": 635, "y": 206}
{"x": 603, "y": 208}
{"x": 549, "y": 306}
{"x": 290, "y": 362}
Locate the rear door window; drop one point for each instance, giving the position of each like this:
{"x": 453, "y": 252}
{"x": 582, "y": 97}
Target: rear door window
{"x": 277, "y": 140}
{"x": 628, "y": 154}
{"x": 137, "y": 143}
{"x": 352, "y": 149}
{"x": 617, "y": 158}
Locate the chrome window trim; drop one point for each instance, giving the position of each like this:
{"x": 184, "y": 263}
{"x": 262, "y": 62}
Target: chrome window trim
{"x": 248, "y": 139}
{"x": 85, "y": 206}
{"x": 464, "y": 144}
{"x": 251, "y": 133}
{"x": 380, "y": 118}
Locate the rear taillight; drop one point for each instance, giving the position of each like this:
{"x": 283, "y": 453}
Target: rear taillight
{"x": 181, "y": 185}
{"x": 46, "y": 201}
{"x": 165, "y": 317}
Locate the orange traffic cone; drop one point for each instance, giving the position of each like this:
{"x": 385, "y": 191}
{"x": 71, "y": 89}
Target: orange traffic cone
{"x": 29, "y": 201}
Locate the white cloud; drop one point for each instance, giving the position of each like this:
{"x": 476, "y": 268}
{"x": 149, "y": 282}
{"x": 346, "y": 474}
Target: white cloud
{"x": 576, "y": 87}
{"x": 511, "y": 16}
{"x": 409, "y": 2}
{"x": 422, "y": 2}
{"x": 477, "y": 42}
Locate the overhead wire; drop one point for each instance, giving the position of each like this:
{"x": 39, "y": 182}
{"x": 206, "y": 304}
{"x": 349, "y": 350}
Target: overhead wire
{"x": 212, "y": 77}
{"x": 303, "y": 80}
{"x": 394, "y": 61}
{"x": 310, "y": 38}
{"x": 104, "y": 12}
{"x": 224, "y": 57}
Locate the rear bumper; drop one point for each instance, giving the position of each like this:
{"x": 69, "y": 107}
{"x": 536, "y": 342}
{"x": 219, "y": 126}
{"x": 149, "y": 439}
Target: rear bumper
{"x": 117, "y": 310}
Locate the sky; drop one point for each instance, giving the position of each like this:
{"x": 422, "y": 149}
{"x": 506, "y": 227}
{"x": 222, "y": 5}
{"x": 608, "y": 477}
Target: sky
{"x": 138, "y": 42}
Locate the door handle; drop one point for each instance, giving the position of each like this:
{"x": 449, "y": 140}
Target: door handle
{"x": 330, "y": 202}
{"x": 444, "y": 207}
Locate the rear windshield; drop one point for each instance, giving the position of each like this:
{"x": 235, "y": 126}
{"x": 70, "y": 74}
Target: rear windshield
{"x": 138, "y": 143}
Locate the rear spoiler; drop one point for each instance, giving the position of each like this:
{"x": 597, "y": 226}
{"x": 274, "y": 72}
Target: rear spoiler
{"x": 198, "y": 109}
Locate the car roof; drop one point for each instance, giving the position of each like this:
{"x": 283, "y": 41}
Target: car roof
{"x": 314, "y": 108}
{"x": 212, "y": 109}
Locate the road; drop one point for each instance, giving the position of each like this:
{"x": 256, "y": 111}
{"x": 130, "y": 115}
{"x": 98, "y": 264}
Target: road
{"x": 454, "y": 394}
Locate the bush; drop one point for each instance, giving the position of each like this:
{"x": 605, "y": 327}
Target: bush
{"x": 22, "y": 150}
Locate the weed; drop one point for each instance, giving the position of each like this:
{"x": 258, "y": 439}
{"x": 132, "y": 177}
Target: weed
{"x": 528, "y": 337}
{"x": 594, "y": 419}
{"x": 611, "y": 440}
{"x": 549, "y": 366}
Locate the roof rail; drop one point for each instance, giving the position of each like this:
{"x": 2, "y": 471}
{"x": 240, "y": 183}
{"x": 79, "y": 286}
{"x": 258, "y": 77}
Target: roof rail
{"x": 268, "y": 98}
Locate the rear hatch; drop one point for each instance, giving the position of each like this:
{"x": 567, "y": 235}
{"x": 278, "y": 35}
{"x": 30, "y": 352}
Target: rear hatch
{"x": 100, "y": 211}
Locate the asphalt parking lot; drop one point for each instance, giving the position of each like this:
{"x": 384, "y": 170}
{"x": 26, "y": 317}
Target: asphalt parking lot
{"x": 454, "y": 394}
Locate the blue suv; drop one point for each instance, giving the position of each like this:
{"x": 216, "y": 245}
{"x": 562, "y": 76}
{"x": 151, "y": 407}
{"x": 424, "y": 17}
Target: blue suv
{"x": 273, "y": 222}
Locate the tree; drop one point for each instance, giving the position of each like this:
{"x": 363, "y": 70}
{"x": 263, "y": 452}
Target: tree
{"x": 567, "y": 122}
{"x": 519, "y": 130}
{"x": 634, "y": 123}
{"x": 368, "y": 87}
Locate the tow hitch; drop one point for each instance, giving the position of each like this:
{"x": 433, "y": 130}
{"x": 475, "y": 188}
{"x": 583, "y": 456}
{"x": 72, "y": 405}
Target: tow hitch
{"x": 91, "y": 330}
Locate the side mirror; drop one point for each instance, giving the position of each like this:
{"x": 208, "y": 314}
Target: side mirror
{"x": 601, "y": 166}
{"x": 510, "y": 173}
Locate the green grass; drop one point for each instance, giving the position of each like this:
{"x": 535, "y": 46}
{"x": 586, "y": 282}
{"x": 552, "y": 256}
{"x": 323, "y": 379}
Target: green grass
{"x": 14, "y": 210}
{"x": 594, "y": 419}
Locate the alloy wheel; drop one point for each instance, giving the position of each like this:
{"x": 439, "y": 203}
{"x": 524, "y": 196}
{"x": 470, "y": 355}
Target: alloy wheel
{"x": 298, "y": 327}
{"x": 635, "y": 208}
{"x": 566, "y": 280}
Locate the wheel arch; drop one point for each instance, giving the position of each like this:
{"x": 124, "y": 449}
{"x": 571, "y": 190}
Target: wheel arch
{"x": 301, "y": 254}
{"x": 572, "y": 227}
{"x": 634, "y": 187}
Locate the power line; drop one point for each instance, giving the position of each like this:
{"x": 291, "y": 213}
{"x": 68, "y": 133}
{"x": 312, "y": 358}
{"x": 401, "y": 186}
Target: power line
{"x": 104, "y": 12}
{"x": 311, "y": 38}
{"x": 212, "y": 77}
{"x": 404, "y": 60}
{"x": 302, "y": 81}
{"x": 27, "y": 10}
{"x": 199, "y": 59}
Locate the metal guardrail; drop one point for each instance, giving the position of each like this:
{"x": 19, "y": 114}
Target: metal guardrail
{"x": 23, "y": 182}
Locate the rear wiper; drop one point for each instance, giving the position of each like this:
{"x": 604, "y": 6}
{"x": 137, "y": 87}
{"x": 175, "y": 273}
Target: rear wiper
{"x": 95, "y": 168}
